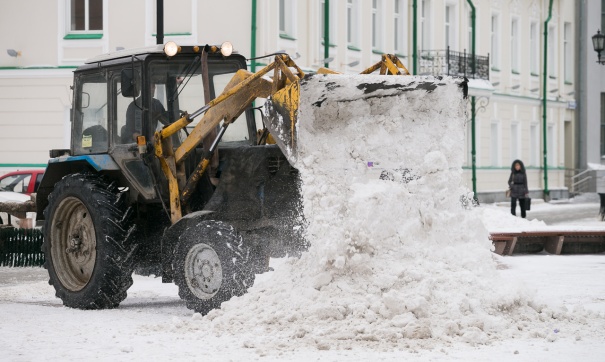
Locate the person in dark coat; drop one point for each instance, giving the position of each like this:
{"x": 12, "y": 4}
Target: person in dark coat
{"x": 517, "y": 183}
{"x": 134, "y": 118}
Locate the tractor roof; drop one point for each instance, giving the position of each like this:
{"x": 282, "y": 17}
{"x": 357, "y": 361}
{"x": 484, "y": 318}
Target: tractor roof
{"x": 155, "y": 49}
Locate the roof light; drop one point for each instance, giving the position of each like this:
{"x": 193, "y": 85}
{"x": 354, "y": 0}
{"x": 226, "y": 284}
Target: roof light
{"x": 171, "y": 49}
{"x": 226, "y": 49}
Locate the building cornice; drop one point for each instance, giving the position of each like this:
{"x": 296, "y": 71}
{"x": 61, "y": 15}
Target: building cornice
{"x": 36, "y": 72}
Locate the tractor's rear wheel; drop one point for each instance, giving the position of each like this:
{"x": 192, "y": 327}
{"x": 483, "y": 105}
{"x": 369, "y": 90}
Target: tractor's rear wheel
{"x": 211, "y": 265}
{"x": 86, "y": 235}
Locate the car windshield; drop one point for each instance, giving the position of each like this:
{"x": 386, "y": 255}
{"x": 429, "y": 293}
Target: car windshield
{"x": 15, "y": 183}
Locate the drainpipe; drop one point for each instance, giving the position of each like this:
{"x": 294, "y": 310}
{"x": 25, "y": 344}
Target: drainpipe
{"x": 415, "y": 37}
{"x": 253, "y": 39}
{"x": 473, "y": 103}
{"x": 544, "y": 91}
{"x": 326, "y": 32}
{"x": 159, "y": 36}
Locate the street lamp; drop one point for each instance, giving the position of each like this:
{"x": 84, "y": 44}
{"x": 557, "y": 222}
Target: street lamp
{"x": 598, "y": 43}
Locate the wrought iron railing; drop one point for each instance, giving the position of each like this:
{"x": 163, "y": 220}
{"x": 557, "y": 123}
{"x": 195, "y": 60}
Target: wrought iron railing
{"x": 20, "y": 247}
{"x": 449, "y": 62}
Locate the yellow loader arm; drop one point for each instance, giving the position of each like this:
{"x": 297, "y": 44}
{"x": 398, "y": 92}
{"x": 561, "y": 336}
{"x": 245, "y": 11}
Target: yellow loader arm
{"x": 243, "y": 88}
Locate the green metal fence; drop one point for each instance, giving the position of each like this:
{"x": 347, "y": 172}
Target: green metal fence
{"x": 21, "y": 247}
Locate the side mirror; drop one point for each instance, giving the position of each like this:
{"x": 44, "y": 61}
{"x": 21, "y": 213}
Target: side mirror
{"x": 129, "y": 83}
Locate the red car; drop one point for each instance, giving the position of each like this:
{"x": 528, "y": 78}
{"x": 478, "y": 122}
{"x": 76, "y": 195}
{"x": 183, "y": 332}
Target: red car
{"x": 25, "y": 182}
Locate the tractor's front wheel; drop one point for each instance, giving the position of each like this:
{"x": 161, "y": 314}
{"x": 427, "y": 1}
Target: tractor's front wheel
{"x": 86, "y": 233}
{"x": 211, "y": 265}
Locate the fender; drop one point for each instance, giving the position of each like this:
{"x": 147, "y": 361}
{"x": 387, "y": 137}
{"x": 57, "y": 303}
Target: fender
{"x": 59, "y": 167}
{"x": 171, "y": 237}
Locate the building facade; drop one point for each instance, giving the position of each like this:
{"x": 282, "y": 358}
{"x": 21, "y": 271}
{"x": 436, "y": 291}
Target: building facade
{"x": 425, "y": 34}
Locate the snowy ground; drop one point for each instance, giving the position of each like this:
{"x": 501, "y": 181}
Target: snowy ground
{"x": 153, "y": 324}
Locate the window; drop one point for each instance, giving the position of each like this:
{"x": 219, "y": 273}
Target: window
{"x": 85, "y": 15}
{"x": 514, "y": 141}
{"x": 533, "y": 48}
{"x": 470, "y": 28}
{"x": 352, "y": 23}
{"x": 401, "y": 32}
{"x": 90, "y": 115}
{"x": 552, "y": 52}
{"x": 176, "y": 23}
{"x": 332, "y": 19}
{"x": 377, "y": 22}
{"x": 535, "y": 145}
{"x": 469, "y": 144}
{"x": 495, "y": 145}
{"x": 38, "y": 181}
{"x": 550, "y": 139}
{"x": 450, "y": 27}
{"x": 286, "y": 20}
{"x": 514, "y": 45}
{"x": 602, "y": 15}
{"x": 425, "y": 25}
{"x": 567, "y": 52}
{"x": 15, "y": 183}
{"x": 495, "y": 35}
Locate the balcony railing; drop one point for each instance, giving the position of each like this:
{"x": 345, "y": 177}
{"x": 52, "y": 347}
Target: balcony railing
{"x": 448, "y": 62}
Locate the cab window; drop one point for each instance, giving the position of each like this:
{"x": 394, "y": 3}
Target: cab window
{"x": 90, "y": 115}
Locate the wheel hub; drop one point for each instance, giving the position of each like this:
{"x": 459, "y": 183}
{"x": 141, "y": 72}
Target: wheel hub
{"x": 203, "y": 271}
{"x": 73, "y": 244}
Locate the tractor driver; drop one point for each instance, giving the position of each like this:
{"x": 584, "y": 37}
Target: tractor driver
{"x": 134, "y": 118}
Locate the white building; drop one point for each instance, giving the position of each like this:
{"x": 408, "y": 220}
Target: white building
{"x": 35, "y": 95}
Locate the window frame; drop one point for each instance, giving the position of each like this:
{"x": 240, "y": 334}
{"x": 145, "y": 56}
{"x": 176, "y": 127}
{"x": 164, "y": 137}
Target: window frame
{"x": 567, "y": 52}
{"x": 495, "y": 141}
{"x": 552, "y": 52}
{"x": 495, "y": 41}
{"x": 534, "y": 51}
{"x": 514, "y": 140}
{"x": 333, "y": 23}
{"x": 425, "y": 25}
{"x": 451, "y": 25}
{"x": 87, "y": 33}
{"x": 377, "y": 25}
{"x": 551, "y": 142}
{"x": 534, "y": 135}
{"x": 353, "y": 22}
{"x": 78, "y": 124}
{"x": 286, "y": 15}
{"x": 400, "y": 30}
{"x": 515, "y": 41}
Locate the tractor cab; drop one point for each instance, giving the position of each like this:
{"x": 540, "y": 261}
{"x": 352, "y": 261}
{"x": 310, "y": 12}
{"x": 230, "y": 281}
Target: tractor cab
{"x": 121, "y": 99}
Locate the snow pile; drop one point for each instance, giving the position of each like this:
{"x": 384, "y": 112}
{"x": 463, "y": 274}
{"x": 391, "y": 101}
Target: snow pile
{"x": 501, "y": 220}
{"x": 394, "y": 263}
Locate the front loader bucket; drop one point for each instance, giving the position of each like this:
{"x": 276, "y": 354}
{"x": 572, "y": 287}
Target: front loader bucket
{"x": 281, "y": 116}
{"x": 323, "y": 103}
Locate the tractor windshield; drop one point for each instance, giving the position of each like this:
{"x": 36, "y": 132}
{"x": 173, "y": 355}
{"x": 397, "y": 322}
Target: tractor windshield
{"x": 178, "y": 87}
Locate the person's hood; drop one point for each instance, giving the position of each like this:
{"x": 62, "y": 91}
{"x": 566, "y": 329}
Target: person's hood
{"x": 512, "y": 166}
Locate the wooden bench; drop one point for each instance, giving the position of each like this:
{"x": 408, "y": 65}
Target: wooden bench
{"x": 504, "y": 244}
{"x": 551, "y": 241}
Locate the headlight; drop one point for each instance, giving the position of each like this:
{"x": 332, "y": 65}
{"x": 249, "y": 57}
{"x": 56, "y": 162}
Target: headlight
{"x": 226, "y": 49}
{"x": 171, "y": 49}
